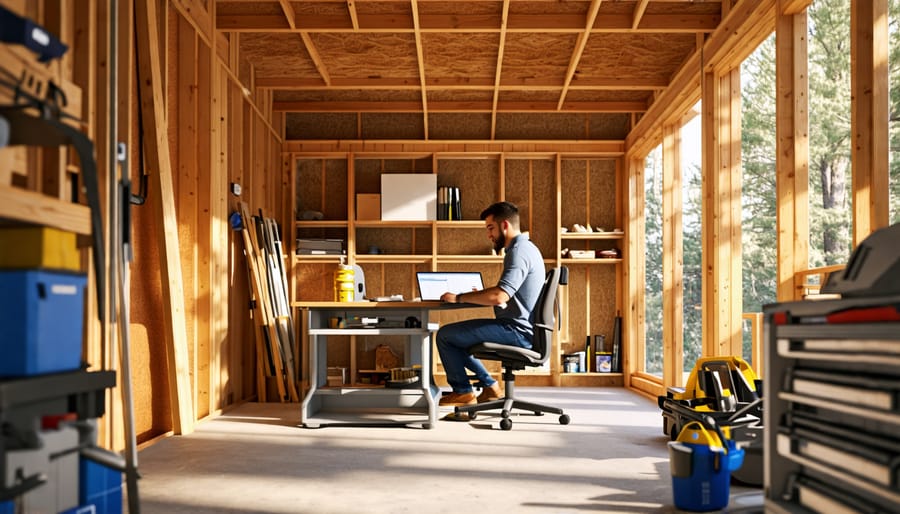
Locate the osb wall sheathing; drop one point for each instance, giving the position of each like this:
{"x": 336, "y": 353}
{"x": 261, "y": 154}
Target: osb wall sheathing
{"x": 300, "y": 125}
{"x": 392, "y": 126}
{"x": 536, "y": 200}
{"x": 478, "y": 181}
{"x": 595, "y": 285}
{"x": 321, "y": 185}
{"x": 541, "y": 126}
{"x": 460, "y": 126}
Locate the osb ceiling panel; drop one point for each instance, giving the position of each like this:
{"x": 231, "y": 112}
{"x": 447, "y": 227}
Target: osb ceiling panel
{"x": 277, "y": 55}
{"x": 460, "y": 55}
{"x": 537, "y": 58}
{"x": 647, "y": 56}
{"x": 370, "y": 57}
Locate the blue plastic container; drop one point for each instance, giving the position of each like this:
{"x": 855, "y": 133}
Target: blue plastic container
{"x": 41, "y": 320}
{"x": 7, "y": 507}
{"x": 100, "y": 486}
{"x": 701, "y": 470}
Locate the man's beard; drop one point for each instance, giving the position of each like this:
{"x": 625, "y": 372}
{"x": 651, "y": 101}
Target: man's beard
{"x": 499, "y": 243}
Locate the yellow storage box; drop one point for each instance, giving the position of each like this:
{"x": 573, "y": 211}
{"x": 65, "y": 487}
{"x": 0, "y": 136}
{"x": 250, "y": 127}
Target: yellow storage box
{"x": 38, "y": 247}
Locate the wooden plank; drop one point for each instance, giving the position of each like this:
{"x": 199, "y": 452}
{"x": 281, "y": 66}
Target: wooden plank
{"x": 672, "y": 259}
{"x": 791, "y": 151}
{"x": 579, "y": 49}
{"x": 421, "y": 64}
{"x": 869, "y": 116}
{"x": 501, "y": 48}
{"x": 31, "y": 207}
{"x": 186, "y": 191}
{"x": 633, "y": 349}
{"x": 159, "y": 163}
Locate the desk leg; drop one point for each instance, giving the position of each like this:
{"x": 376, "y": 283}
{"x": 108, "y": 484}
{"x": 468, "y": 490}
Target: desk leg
{"x": 428, "y": 388}
{"x": 311, "y": 403}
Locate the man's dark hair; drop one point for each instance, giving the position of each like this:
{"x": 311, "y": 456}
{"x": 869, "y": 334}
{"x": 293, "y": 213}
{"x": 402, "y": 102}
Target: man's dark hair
{"x": 503, "y": 211}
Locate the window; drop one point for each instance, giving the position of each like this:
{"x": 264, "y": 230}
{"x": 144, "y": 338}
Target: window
{"x": 653, "y": 313}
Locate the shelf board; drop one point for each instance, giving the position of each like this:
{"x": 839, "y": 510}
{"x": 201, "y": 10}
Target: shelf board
{"x": 592, "y": 235}
{"x": 36, "y": 208}
{"x": 321, "y": 223}
{"x": 394, "y": 224}
{"x": 460, "y": 224}
{"x": 392, "y": 259}
{"x": 590, "y": 261}
{"x": 470, "y": 259}
{"x": 318, "y": 258}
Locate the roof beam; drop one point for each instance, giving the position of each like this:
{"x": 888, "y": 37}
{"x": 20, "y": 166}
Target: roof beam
{"x": 458, "y": 106}
{"x": 354, "y": 18}
{"x": 461, "y": 83}
{"x": 561, "y": 23}
{"x": 316, "y": 58}
{"x": 289, "y": 13}
{"x": 503, "y": 21}
{"x": 639, "y": 13}
{"x": 421, "y": 60}
{"x": 579, "y": 49}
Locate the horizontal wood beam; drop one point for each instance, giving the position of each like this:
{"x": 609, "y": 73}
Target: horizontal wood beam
{"x": 470, "y": 83}
{"x": 563, "y": 23}
{"x": 482, "y": 106}
{"x": 31, "y": 207}
{"x": 392, "y": 148}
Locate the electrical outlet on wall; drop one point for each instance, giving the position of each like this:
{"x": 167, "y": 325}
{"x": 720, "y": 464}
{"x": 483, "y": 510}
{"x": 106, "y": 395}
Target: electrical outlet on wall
{"x": 235, "y": 189}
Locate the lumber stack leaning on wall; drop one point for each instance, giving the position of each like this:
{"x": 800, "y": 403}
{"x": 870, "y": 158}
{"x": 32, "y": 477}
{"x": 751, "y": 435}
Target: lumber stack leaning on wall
{"x": 271, "y": 309}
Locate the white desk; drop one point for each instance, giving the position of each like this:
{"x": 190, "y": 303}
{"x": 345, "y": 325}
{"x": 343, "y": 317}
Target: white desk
{"x": 323, "y": 405}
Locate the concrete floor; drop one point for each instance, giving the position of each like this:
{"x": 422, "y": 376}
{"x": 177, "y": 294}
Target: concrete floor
{"x": 611, "y": 458}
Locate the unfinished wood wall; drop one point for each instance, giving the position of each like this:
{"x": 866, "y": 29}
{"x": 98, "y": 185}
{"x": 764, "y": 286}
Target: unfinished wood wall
{"x": 191, "y": 101}
{"x": 217, "y": 135}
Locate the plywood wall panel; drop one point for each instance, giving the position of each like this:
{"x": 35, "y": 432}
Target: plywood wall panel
{"x": 300, "y": 125}
{"x": 545, "y": 228}
{"x": 574, "y": 191}
{"x": 603, "y": 199}
{"x": 477, "y": 180}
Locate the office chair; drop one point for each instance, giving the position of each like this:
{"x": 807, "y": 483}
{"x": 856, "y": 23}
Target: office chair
{"x": 515, "y": 358}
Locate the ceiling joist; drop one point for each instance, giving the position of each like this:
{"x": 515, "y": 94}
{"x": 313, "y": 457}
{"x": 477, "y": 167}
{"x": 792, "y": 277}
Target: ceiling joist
{"x": 458, "y": 106}
{"x": 559, "y": 23}
{"x": 462, "y": 83}
{"x": 579, "y": 49}
{"x": 502, "y": 44}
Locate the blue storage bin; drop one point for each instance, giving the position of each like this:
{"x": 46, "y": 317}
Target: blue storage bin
{"x": 7, "y": 507}
{"x": 99, "y": 486}
{"x": 41, "y": 320}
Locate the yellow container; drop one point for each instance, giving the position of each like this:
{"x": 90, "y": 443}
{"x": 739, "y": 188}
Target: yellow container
{"x": 38, "y": 247}
{"x": 343, "y": 284}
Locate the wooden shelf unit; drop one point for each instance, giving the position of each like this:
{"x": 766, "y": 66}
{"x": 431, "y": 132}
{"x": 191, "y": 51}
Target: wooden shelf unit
{"x": 552, "y": 189}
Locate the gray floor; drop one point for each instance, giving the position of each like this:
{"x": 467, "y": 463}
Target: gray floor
{"x": 612, "y": 458}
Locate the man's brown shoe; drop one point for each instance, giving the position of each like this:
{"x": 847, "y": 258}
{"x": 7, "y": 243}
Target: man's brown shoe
{"x": 490, "y": 393}
{"x": 456, "y": 399}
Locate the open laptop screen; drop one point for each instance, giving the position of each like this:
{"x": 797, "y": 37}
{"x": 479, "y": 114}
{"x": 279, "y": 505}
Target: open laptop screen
{"x": 432, "y": 284}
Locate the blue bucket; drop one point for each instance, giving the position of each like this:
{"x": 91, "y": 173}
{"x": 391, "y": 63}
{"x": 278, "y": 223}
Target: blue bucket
{"x": 701, "y": 470}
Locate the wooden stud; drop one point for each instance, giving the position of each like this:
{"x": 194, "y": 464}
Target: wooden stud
{"x": 158, "y": 160}
{"x": 791, "y": 150}
{"x": 869, "y": 116}
{"x": 672, "y": 259}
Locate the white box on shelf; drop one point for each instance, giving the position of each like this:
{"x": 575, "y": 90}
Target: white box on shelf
{"x": 408, "y": 196}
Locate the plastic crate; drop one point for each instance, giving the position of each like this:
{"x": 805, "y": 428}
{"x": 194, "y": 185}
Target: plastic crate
{"x": 100, "y": 486}
{"x": 41, "y": 320}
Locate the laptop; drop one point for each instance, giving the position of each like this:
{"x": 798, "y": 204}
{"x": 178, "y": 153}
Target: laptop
{"x": 432, "y": 284}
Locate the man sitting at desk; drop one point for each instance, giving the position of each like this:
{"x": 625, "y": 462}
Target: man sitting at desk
{"x": 513, "y": 299}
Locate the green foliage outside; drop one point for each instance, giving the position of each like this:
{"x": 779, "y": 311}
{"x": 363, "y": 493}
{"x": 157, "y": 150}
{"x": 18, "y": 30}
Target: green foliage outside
{"x": 830, "y": 208}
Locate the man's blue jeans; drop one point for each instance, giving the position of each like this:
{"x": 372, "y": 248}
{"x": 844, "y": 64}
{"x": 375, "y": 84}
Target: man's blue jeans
{"x": 455, "y": 339}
